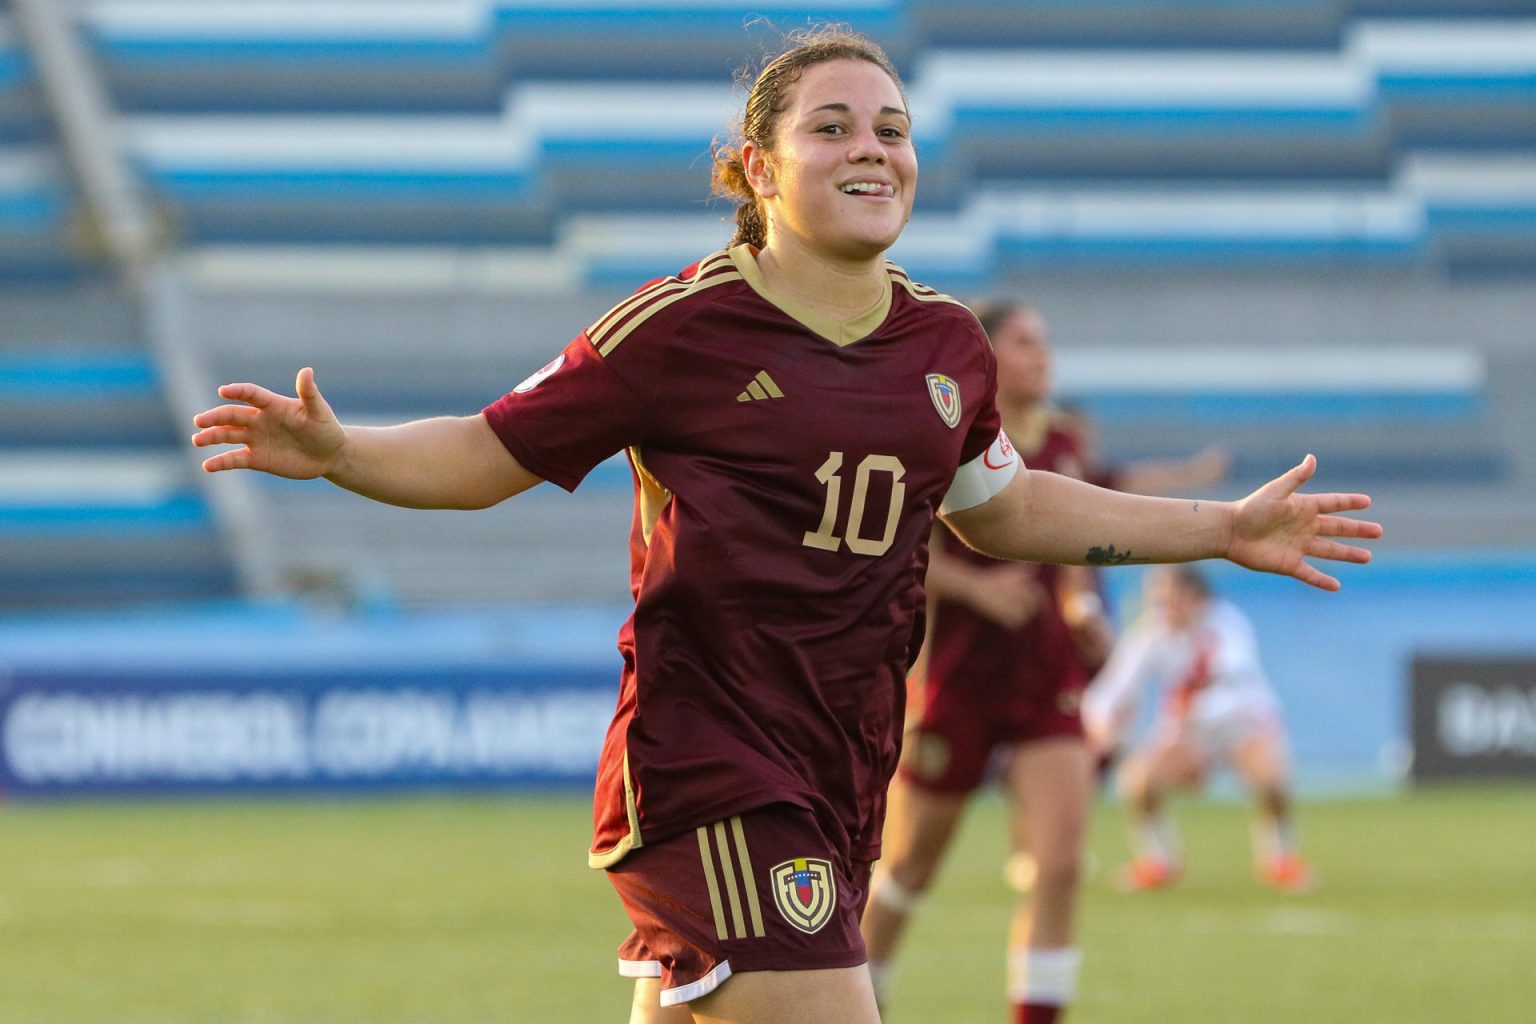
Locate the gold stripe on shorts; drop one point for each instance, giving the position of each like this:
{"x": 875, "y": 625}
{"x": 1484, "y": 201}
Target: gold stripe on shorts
{"x": 709, "y": 880}
{"x": 731, "y": 874}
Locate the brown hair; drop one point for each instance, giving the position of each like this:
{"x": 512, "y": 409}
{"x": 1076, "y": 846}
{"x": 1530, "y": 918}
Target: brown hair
{"x": 767, "y": 99}
{"x": 993, "y": 313}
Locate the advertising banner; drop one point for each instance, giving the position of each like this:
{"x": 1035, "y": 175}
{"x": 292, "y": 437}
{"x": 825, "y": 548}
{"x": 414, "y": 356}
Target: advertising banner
{"x": 183, "y": 731}
{"x": 1473, "y": 718}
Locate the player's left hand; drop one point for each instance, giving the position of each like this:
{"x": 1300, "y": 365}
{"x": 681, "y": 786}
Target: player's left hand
{"x": 1276, "y": 528}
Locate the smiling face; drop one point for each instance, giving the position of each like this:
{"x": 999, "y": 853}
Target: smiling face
{"x": 841, "y": 174}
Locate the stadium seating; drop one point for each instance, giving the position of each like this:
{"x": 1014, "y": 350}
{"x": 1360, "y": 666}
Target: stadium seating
{"x": 96, "y": 501}
{"x": 381, "y": 188}
{"x": 1321, "y": 155}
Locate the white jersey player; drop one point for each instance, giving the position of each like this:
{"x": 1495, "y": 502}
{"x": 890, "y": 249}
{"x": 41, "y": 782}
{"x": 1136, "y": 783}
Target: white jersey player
{"x": 1217, "y": 711}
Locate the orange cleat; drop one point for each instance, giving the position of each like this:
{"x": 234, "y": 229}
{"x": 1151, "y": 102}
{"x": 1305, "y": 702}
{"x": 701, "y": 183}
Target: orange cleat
{"x": 1287, "y": 871}
{"x": 1145, "y": 873}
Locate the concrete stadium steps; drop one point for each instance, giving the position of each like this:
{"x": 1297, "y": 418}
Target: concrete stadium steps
{"x": 98, "y": 504}
{"x": 90, "y": 527}
{"x": 1438, "y": 213}
{"x": 108, "y": 394}
{"x": 41, "y": 234}
{"x": 544, "y": 546}
{"x": 22, "y": 119}
{"x": 1403, "y": 385}
{"x": 1263, "y": 152}
{"x": 37, "y": 216}
{"x": 1373, "y": 416}
{"x": 453, "y": 54}
{"x": 1116, "y": 193}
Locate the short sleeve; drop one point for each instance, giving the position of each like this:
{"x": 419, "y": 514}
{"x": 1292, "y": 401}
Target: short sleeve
{"x": 987, "y": 424}
{"x": 569, "y": 416}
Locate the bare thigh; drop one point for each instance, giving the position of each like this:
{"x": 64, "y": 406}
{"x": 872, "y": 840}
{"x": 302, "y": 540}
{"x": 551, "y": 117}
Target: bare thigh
{"x": 1168, "y": 763}
{"x": 1051, "y": 783}
{"x": 918, "y": 828}
{"x": 841, "y": 995}
{"x": 1262, "y": 761}
{"x": 647, "y": 1009}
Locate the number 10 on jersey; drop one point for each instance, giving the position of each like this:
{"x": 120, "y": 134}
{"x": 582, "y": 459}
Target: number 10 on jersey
{"x": 825, "y": 536}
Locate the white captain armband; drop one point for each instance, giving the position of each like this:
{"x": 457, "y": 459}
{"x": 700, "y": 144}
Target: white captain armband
{"x": 981, "y": 479}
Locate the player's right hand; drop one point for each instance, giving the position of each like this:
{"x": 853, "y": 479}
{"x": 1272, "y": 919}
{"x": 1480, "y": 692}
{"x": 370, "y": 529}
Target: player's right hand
{"x": 299, "y": 438}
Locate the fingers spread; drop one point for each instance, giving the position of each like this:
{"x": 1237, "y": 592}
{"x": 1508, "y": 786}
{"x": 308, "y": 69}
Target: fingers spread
{"x": 240, "y": 458}
{"x": 1337, "y": 552}
{"x": 220, "y": 435}
{"x": 1310, "y": 575}
{"x": 1331, "y": 502}
{"x": 225, "y": 415}
{"x": 1338, "y": 526}
{"x": 253, "y": 394}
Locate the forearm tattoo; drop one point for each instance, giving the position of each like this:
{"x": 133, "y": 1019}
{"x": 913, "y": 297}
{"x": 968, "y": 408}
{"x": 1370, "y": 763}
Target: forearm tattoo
{"x": 1109, "y": 556}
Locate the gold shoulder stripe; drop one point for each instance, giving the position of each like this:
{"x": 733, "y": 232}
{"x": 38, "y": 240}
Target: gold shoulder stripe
{"x": 920, "y": 292}
{"x": 612, "y": 341}
{"x": 659, "y": 285}
{"x": 622, "y": 318}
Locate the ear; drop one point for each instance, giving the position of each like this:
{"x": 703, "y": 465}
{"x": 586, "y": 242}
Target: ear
{"x": 761, "y": 174}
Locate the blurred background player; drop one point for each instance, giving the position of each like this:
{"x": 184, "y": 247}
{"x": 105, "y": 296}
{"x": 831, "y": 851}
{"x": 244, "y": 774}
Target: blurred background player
{"x": 1217, "y": 711}
{"x": 1009, "y": 650}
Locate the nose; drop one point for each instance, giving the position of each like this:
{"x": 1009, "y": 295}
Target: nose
{"x": 866, "y": 148}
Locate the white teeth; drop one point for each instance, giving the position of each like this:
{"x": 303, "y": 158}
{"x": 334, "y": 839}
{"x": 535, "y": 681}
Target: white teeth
{"x": 867, "y": 188}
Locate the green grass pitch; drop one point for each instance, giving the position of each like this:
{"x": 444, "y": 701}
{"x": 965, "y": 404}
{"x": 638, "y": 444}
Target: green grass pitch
{"x": 471, "y": 910}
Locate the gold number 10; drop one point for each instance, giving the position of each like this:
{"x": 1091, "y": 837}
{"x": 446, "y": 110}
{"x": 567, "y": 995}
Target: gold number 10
{"x": 825, "y": 536}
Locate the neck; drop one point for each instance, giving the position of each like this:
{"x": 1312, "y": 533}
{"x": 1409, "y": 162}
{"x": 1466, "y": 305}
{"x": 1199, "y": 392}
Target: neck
{"x": 840, "y": 289}
{"x": 1025, "y": 422}
{"x": 1017, "y": 412}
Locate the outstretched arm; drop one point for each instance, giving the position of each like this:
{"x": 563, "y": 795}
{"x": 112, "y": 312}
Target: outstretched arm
{"x": 1043, "y": 517}
{"x": 445, "y": 462}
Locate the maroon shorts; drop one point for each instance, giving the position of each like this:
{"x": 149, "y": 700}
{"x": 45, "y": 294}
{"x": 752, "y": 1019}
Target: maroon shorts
{"x": 760, "y": 891}
{"x": 951, "y": 747}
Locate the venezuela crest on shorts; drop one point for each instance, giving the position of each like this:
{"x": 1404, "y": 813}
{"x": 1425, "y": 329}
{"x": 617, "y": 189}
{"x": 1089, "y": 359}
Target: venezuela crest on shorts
{"x": 805, "y": 892}
{"x": 946, "y": 398}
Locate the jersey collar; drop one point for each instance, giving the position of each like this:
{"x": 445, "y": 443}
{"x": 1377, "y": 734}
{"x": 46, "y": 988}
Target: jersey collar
{"x": 840, "y": 333}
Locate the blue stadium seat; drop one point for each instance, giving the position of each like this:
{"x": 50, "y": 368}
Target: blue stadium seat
{"x": 96, "y": 505}
{"x": 1058, "y": 125}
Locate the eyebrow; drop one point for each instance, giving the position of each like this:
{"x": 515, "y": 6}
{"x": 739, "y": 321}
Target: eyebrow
{"x": 844, "y": 108}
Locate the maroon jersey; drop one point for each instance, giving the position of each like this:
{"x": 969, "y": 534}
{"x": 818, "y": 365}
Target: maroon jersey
{"x": 1034, "y": 665}
{"x": 787, "y": 471}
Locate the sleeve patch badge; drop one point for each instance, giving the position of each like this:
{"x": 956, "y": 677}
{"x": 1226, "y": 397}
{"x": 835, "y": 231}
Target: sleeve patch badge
{"x": 946, "y": 398}
{"x": 538, "y": 376}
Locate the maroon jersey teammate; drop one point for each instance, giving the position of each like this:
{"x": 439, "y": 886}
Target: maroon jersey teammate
{"x": 1011, "y": 648}
{"x": 796, "y": 412}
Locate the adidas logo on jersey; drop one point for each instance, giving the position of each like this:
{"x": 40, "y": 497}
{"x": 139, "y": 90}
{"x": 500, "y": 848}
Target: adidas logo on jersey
{"x": 761, "y": 386}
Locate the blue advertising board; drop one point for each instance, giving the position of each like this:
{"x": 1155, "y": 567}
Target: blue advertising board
{"x": 105, "y": 731}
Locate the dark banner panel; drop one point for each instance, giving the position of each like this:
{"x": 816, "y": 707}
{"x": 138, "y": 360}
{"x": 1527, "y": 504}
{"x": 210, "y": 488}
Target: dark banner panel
{"x": 147, "y": 732}
{"x": 1473, "y": 718}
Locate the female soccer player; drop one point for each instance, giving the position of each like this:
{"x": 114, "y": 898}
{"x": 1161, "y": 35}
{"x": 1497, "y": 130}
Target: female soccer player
{"x": 796, "y": 412}
{"x": 1010, "y": 649}
{"x": 1217, "y": 711}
